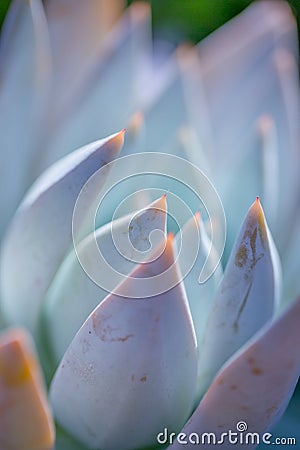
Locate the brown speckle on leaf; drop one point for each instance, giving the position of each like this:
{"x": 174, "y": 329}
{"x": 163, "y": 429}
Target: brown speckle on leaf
{"x": 241, "y": 309}
{"x": 122, "y": 339}
{"x": 241, "y": 256}
{"x": 256, "y": 371}
{"x": 251, "y": 360}
{"x": 105, "y": 331}
{"x": 253, "y": 237}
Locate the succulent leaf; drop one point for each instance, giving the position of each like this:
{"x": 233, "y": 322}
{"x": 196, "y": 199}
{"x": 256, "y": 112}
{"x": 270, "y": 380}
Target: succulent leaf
{"x": 25, "y": 75}
{"x": 108, "y": 96}
{"x": 255, "y": 385}
{"x": 40, "y": 234}
{"x": 235, "y": 68}
{"x": 246, "y": 298}
{"x": 78, "y": 32}
{"x": 26, "y": 422}
{"x": 200, "y": 296}
{"x": 144, "y": 328}
{"x": 76, "y": 290}
{"x": 131, "y": 368}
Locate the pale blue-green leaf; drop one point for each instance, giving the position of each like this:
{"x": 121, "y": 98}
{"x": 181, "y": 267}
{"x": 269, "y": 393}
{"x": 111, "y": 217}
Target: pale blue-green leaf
{"x": 246, "y": 298}
{"x": 132, "y": 367}
{"x": 25, "y": 74}
{"x": 255, "y": 386}
{"x": 73, "y": 295}
{"x": 166, "y": 107}
{"x": 78, "y": 32}
{"x": 109, "y": 94}
{"x": 288, "y": 424}
{"x": 291, "y": 264}
{"x": 41, "y": 231}
{"x": 243, "y": 77}
{"x": 200, "y": 296}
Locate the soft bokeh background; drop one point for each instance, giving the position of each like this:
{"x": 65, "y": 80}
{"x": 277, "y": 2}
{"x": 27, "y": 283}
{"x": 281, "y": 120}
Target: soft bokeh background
{"x": 195, "y": 19}
{"x": 179, "y": 20}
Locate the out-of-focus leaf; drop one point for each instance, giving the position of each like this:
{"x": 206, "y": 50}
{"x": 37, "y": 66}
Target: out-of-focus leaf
{"x": 242, "y": 76}
{"x": 25, "y": 76}
{"x": 200, "y": 296}
{"x": 108, "y": 96}
{"x": 26, "y": 422}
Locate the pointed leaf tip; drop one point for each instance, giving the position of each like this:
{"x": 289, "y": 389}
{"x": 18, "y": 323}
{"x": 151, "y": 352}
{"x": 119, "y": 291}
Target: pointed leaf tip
{"x": 256, "y": 217}
{"x": 197, "y": 215}
{"x": 160, "y": 204}
{"x": 123, "y": 359}
{"x": 41, "y": 231}
{"x": 117, "y": 141}
{"x": 140, "y": 11}
{"x": 157, "y": 275}
{"x": 108, "y": 257}
{"x": 265, "y": 124}
{"x": 252, "y": 273}
{"x": 170, "y": 239}
{"x": 26, "y": 420}
{"x": 136, "y": 122}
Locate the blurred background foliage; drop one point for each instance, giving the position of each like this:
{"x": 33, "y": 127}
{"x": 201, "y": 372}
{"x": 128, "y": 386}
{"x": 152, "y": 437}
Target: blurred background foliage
{"x": 192, "y": 20}
{"x": 4, "y": 4}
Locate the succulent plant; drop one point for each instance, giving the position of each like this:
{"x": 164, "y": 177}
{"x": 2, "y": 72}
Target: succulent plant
{"x": 150, "y": 331}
